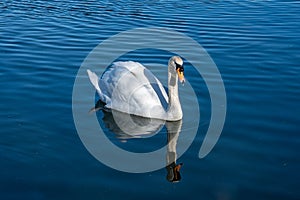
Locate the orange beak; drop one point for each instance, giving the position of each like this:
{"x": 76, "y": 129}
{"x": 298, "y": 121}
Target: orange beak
{"x": 180, "y": 76}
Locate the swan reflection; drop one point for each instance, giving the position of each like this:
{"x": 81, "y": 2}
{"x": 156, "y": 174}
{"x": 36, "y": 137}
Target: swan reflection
{"x": 126, "y": 126}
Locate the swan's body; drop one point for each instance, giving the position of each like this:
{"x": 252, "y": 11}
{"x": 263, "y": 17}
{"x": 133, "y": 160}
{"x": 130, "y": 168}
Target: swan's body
{"x": 131, "y": 88}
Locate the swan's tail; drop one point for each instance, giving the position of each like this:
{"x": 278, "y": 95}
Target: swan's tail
{"x": 94, "y": 80}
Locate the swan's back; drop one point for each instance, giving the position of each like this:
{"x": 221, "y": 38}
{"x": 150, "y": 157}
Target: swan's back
{"x": 131, "y": 88}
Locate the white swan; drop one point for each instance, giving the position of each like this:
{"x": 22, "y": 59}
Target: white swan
{"x": 131, "y": 88}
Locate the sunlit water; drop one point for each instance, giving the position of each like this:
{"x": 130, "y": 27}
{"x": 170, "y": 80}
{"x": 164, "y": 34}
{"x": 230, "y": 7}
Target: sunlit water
{"x": 255, "y": 45}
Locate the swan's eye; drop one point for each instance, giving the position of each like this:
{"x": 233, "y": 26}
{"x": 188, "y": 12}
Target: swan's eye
{"x": 180, "y": 67}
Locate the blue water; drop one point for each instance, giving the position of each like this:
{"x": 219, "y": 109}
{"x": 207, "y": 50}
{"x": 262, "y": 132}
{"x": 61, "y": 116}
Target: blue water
{"x": 255, "y": 45}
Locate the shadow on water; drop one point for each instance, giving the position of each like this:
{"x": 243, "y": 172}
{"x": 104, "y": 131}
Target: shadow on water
{"x": 126, "y": 126}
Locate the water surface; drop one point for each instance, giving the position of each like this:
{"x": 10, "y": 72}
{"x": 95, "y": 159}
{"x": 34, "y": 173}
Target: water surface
{"x": 255, "y": 45}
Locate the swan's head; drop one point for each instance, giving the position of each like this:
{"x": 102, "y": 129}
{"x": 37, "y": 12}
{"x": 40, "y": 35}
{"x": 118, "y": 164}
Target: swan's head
{"x": 177, "y": 64}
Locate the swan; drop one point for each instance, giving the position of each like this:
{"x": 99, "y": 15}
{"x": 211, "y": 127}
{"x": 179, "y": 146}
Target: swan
{"x": 131, "y": 88}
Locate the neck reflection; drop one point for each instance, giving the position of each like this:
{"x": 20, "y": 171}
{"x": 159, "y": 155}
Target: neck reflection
{"x": 173, "y": 169}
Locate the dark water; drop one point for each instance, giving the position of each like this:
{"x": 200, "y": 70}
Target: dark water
{"x": 255, "y": 45}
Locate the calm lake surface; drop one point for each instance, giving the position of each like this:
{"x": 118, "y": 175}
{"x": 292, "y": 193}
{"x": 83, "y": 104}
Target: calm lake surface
{"x": 256, "y": 47}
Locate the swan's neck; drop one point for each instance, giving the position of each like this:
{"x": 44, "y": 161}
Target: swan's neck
{"x": 174, "y": 111}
